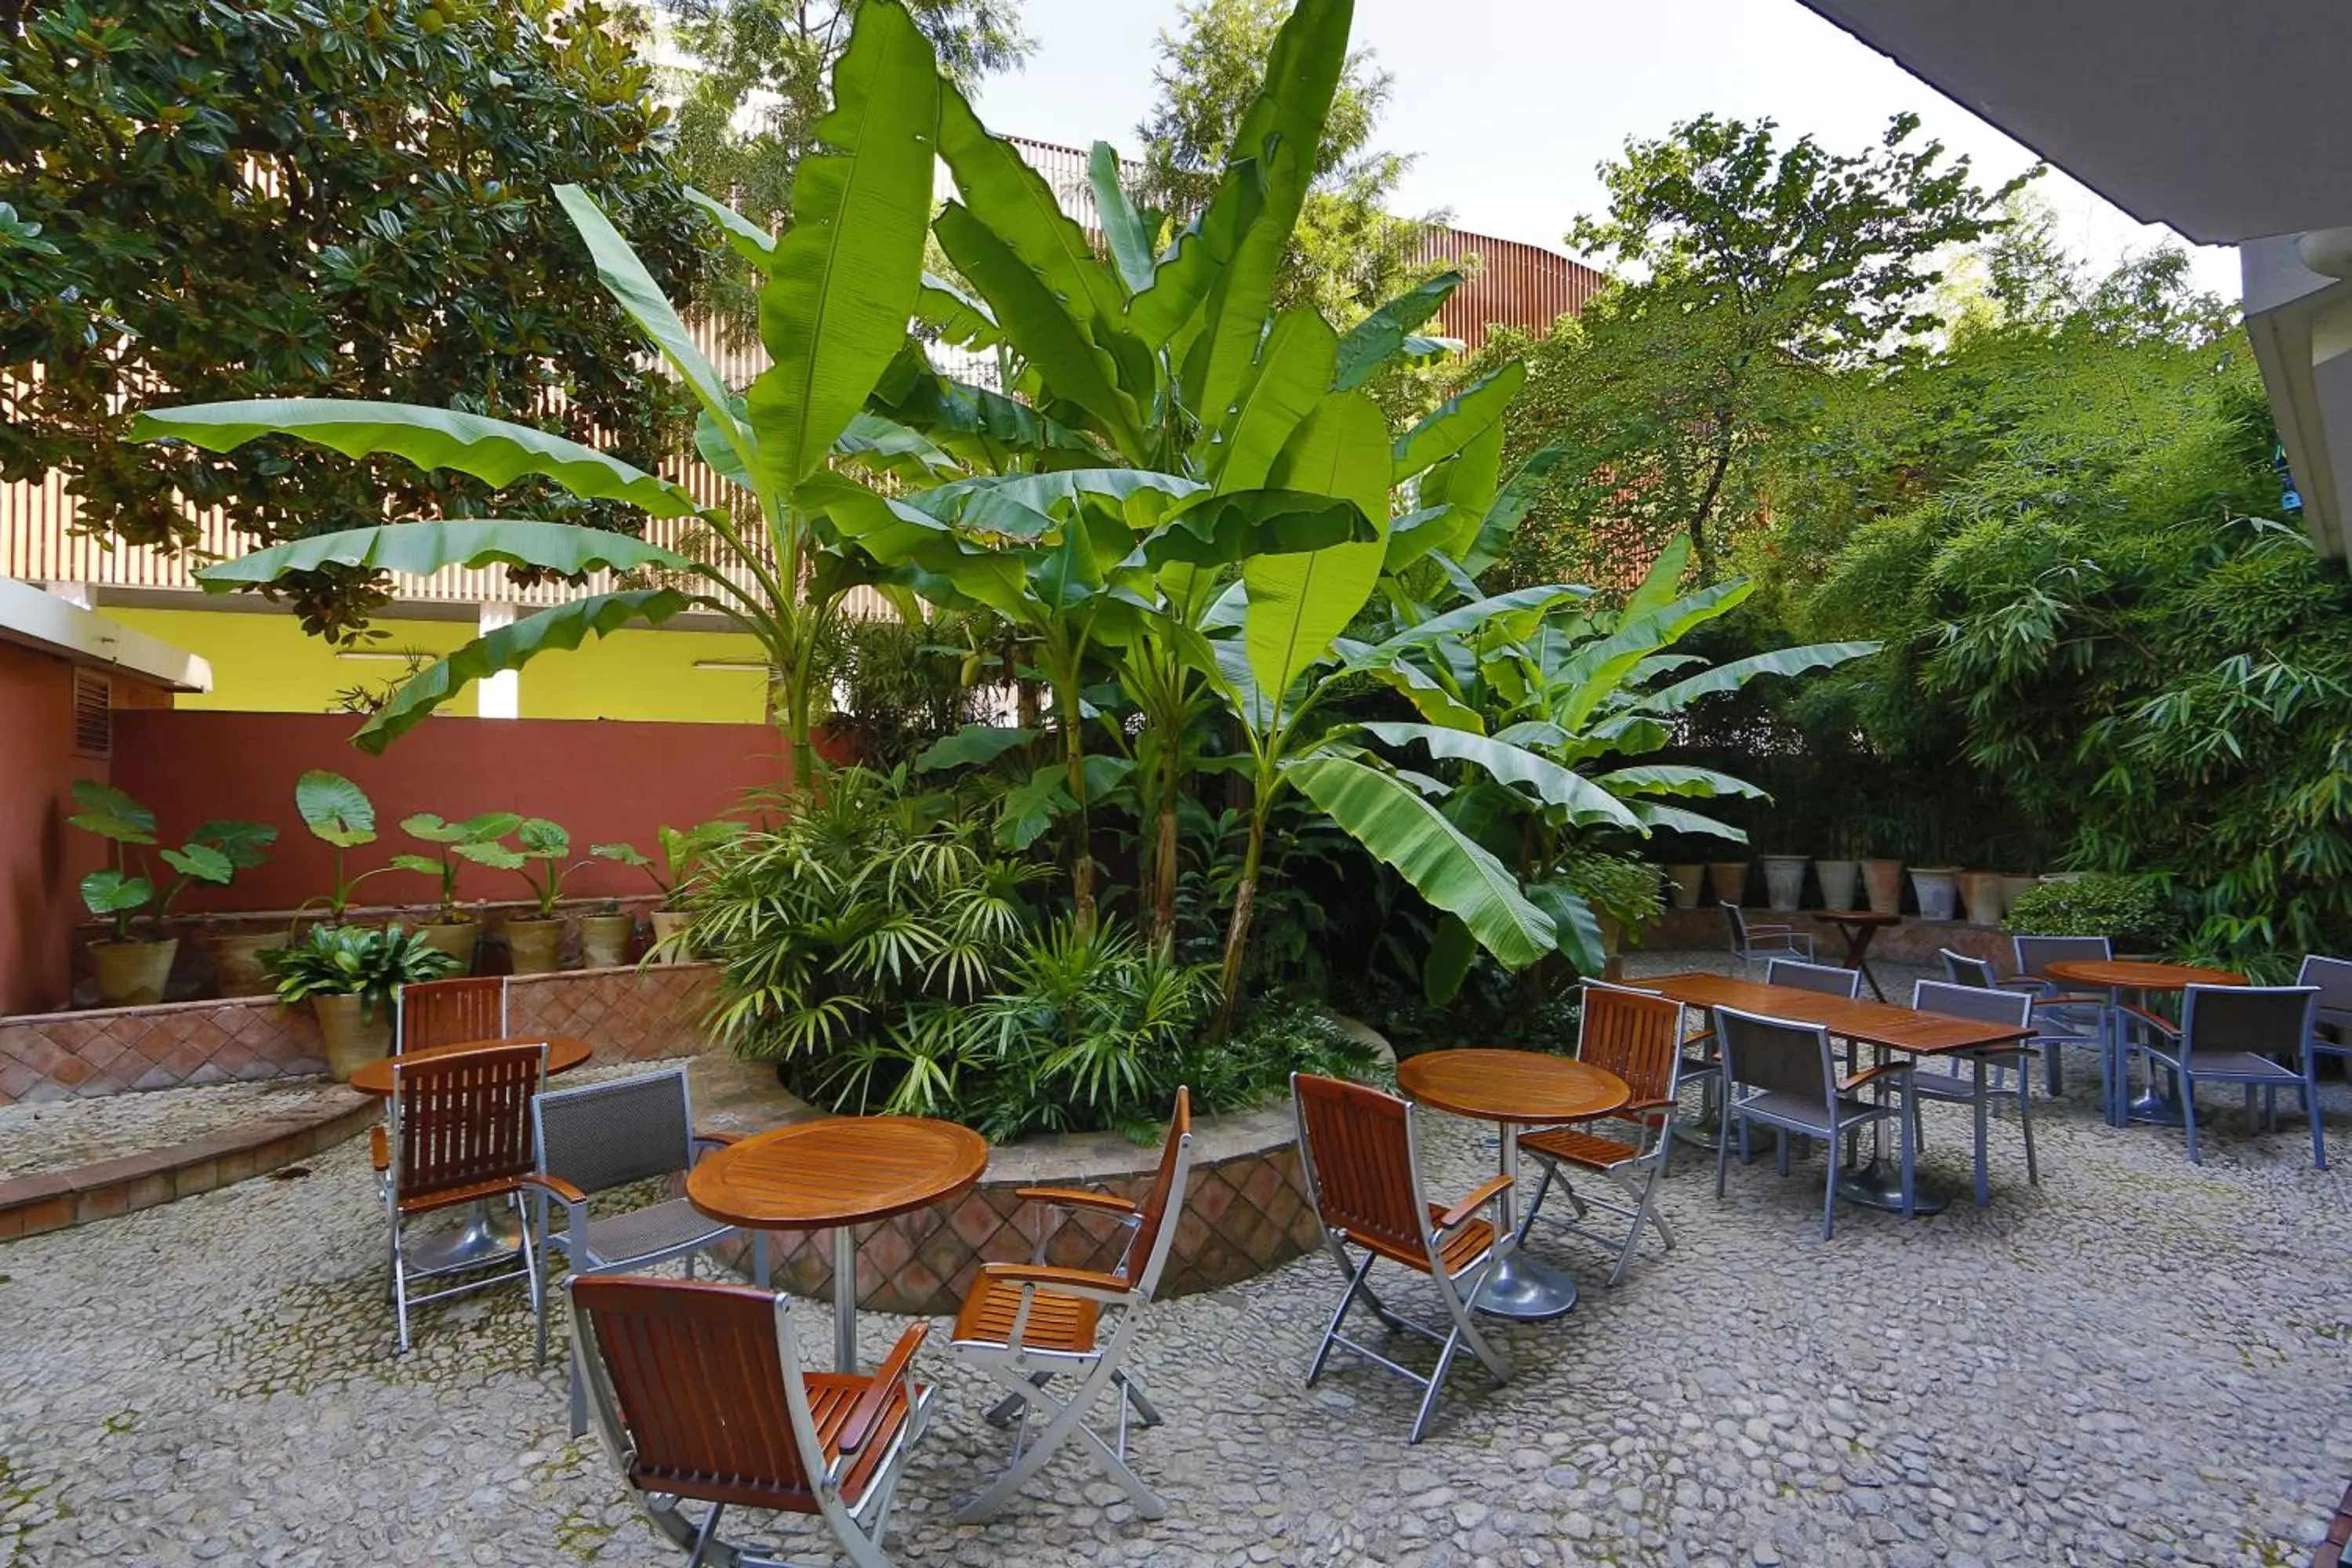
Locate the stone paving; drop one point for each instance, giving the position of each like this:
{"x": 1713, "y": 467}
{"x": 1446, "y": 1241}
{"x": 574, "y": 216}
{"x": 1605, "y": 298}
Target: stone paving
{"x": 58, "y": 1134}
{"x": 2139, "y": 1361}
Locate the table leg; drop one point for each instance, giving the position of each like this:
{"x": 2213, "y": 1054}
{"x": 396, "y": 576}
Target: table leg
{"x": 1518, "y": 1286}
{"x": 1879, "y": 1185}
{"x": 480, "y": 1239}
{"x": 1984, "y": 1191}
{"x": 845, "y": 1298}
{"x": 2154, "y": 1104}
{"x": 1857, "y": 955}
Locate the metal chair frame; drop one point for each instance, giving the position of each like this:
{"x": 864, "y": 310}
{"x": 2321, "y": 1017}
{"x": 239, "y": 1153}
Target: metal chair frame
{"x": 858, "y": 1528}
{"x": 460, "y": 991}
{"x": 2333, "y": 979}
{"x": 1839, "y": 1116}
{"x": 2182, "y": 1058}
{"x": 1829, "y": 979}
{"x": 400, "y": 1204}
{"x": 1751, "y": 940}
{"x": 1457, "y": 1289}
{"x": 1653, "y": 1070}
{"x": 1936, "y": 1080}
{"x": 1026, "y": 1371}
{"x": 550, "y": 1187}
{"x": 2083, "y": 1021}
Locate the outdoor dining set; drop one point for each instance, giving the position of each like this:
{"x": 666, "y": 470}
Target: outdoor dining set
{"x": 697, "y": 1388}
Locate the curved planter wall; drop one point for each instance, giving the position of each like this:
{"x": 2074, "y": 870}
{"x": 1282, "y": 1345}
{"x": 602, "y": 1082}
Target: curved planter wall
{"x": 1245, "y": 1210}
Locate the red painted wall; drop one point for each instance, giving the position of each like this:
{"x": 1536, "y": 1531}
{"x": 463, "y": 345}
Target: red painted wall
{"x": 41, "y": 860}
{"x": 601, "y": 779}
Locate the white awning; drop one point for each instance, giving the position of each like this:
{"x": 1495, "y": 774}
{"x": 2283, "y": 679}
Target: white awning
{"x": 34, "y": 618}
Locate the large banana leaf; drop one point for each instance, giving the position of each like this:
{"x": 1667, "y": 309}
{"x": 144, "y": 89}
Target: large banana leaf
{"x": 1466, "y": 618}
{"x": 887, "y": 446}
{"x": 426, "y": 547}
{"x": 1184, "y": 275}
{"x": 982, "y": 427}
{"x": 1586, "y": 803}
{"x": 973, "y": 744}
{"x": 1572, "y": 918}
{"x": 1392, "y": 822}
{"x": 624, "y": 277}
{"x": 1491, "y": 537}
{"x": 1122, "y": 226}
{"x": 1381, "y": 335}
{"x": 564, "y": 627}
{"x": 1596, "y": 670}
{"x": 1299, "y": 603}
{"x": 1411, "y": 537}
{"x": 842, "y": 281}
{"x": 1220, "y": 530}
{"x": 1055, "y": 344}
{"x": 1025, "y": 506}
{"x": 744, "y": 238}
{"x": 1282, "y": 127}
{"x": 1661, "y": 582}
{"x": 1459, "y": 420}
{"x": 1674, "y": 778}
{"x": 1675, "y": 819}
{"x": 957, "y": 317}
{"x": 1025, "y": 215}
{"x": 1430, "y": 698}
{"x": 1731, "y": 677}
{"x": 1465, "y": 483}
{"x": 1293, "y": 373}
{"x": 495, "y": 452}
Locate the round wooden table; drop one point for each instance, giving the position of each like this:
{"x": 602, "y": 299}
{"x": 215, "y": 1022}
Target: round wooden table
{"x": 2140, "y": 976}
{"x": 1514, "y": 1090}
{"x": 834, "y": 1174}
{"x": 481, "y": 1236}
{"x": 1858, "y": 926}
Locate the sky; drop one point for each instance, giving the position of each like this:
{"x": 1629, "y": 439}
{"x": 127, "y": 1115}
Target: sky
{"x": 1510, "y": 105}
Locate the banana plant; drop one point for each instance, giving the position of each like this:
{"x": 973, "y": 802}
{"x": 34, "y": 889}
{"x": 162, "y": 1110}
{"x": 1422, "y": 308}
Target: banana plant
{"x": 835, "y": 294}
{"x": 475, "y": 839}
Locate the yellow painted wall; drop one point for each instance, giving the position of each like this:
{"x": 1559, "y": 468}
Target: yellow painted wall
{"x": 264, "y": 664}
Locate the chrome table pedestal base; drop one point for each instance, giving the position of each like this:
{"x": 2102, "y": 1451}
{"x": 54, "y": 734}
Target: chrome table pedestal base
{"x": 1525, "y": 1289}
{"x": 480, "y": 1238}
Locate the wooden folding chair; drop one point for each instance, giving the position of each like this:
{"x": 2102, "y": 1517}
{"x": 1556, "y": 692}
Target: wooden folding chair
{"x": 450, "y": 1012}
{"x": 1362, "y": 1158}
{"x": 1026, "y": 1324}
{"x": 1638, "y": 1036}
{"x": 460, "y": 1133}
{"x": 698, "y": 1393}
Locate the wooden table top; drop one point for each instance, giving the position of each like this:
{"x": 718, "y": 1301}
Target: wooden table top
{"x": 1510, "y": 1086}
{"x": 1870, "y": 1023}
{"x": 1855, "y": 917}
{"x": 564, "y": 1052}
{"x": 2138, "y": 974}
{"x": 843, "y": 1170}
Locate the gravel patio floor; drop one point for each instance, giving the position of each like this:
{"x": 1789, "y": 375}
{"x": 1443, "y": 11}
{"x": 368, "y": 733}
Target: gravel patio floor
{"x": 2139, "y": 1361}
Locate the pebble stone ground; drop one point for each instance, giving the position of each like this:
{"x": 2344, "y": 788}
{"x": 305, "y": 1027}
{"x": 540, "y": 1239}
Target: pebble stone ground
{"x": 2139, "y": 1362}
{"x": 58, "y": 1134}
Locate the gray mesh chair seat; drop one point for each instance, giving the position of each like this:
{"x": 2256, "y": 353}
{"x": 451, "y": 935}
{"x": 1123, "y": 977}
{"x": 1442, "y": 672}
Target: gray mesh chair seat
{"x": 2255, "y": 1036}
{"x": 601, "y": 1136}
{"x": 1783, "y": 1074}
{"x": 1975, "y": 1079}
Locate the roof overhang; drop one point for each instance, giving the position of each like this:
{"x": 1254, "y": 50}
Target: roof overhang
{"x": 2223, "y": 121}
{"x": 33, "y": 618}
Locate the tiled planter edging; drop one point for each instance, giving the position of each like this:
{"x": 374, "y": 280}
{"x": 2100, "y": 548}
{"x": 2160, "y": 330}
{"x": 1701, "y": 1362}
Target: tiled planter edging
{"x": 628, "y": 1014}
{"x": 1246, "y": 1212}
{"x": 53, "y": 1200}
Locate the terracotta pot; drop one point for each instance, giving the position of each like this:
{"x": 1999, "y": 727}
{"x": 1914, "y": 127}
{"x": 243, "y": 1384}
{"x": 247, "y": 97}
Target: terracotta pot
{"x": 605, "y": 940}
{"x": 1784, "y": 880}
{"x": 536, "y": 946}
{"x": 1938, "y": 889}
{"x": 1728, "y": 879}
{"x": 1883, "y": 880}
{"x": 1840, "y": 882}
{"x": 456, "y": 938}
{"x": 1981, "y": 891}
{"x": 132, "y": 973}
{"x": 352, "y": 1042}
{"x": 668, "y": 923}
{"x": 237, "y": 963}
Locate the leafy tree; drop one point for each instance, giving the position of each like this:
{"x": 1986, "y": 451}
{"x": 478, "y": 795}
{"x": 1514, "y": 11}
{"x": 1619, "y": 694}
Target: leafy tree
{"x": 1750, "y": 273}
{"x": 750, "y": 108}
{"x": 1348, "y": 253}
{"x": 344, "y": 198}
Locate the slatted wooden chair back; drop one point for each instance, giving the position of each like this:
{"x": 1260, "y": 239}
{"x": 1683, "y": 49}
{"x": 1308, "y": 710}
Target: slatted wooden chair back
{"x": 1774, "y": 1054}
{"x": 452, "y": 1012}
{"x": 1145, "y": 1255}
{"x": 463, "y": 1121}
{"x": 1356, "y": 1143}
{"x": 699, "y": 1387}
{"x": 2270, "y": 1021}
{"x": 1636, "y": 1034}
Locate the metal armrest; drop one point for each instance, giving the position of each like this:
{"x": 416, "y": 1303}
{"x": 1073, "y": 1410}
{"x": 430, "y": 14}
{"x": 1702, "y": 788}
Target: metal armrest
{"x": 898, "y": 1367}
{"x": 1884, "y": 1069}
{"x": 379, "y": 1149}
{"x": 1487, "y": 1192}
{"x": 1076, "y": 1198}
{"x": 2162, "y": 1025}
{"x": 575, "y": 1211}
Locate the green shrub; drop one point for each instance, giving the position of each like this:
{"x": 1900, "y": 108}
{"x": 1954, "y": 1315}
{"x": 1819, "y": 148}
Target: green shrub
{"x": 353, "y": 961}
{"x": 2133, "y": 911}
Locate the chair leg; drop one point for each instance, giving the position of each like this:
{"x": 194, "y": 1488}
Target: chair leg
{"x": 1145, "y": 1411}
{"x": 1067, "y": 1421}
{"x": 1830, "y": 1191}
{"x": 2188, "y": 1115}
{"x": 705, "y": 1535}
{"x": 1983, "y": 1107}
{"x": 1911, "y": 1161}
{"x": 1781, "y": 1149}
{"x": 1543, "y": 1188}
{"x": 399, "y": 1285}
{"x": 2311, "y": 1105}
{"x": 1331, "y": 1332}
{"x": 2025, "y": 1125}
{"x": 1436, "y": 1384}
{"x": 1723, "y": 1150}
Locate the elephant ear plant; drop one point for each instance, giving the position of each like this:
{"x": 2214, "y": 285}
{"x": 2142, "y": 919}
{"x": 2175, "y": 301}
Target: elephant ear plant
{"x": 475, "y": 839}
{"x": 132, "y": 971}
{"x": 682, "y": 851}
{"x": 535, "y": 943}
{"x": 338, "y": 814}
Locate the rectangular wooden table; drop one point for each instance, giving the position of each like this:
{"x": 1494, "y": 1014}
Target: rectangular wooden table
{"x": 1880, "y": 1024}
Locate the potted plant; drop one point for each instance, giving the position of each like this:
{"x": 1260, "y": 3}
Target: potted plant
{"x": 1981, "y": 891}
{"x": 132, "y": 972}
{"x": 475, "y": 839}
{"x": 681, "y": 852}
{"x": 536, "y": 945}
{"x": 351, "y": 977}
{"x": 1841, "y": 873}
{"x": 338, "y": 814}
{"x": 1685, "y": 877}
{"x": 606, "y": 933}
{"x": 1784, "y": 880}
{"x": 1730, "y": 880}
